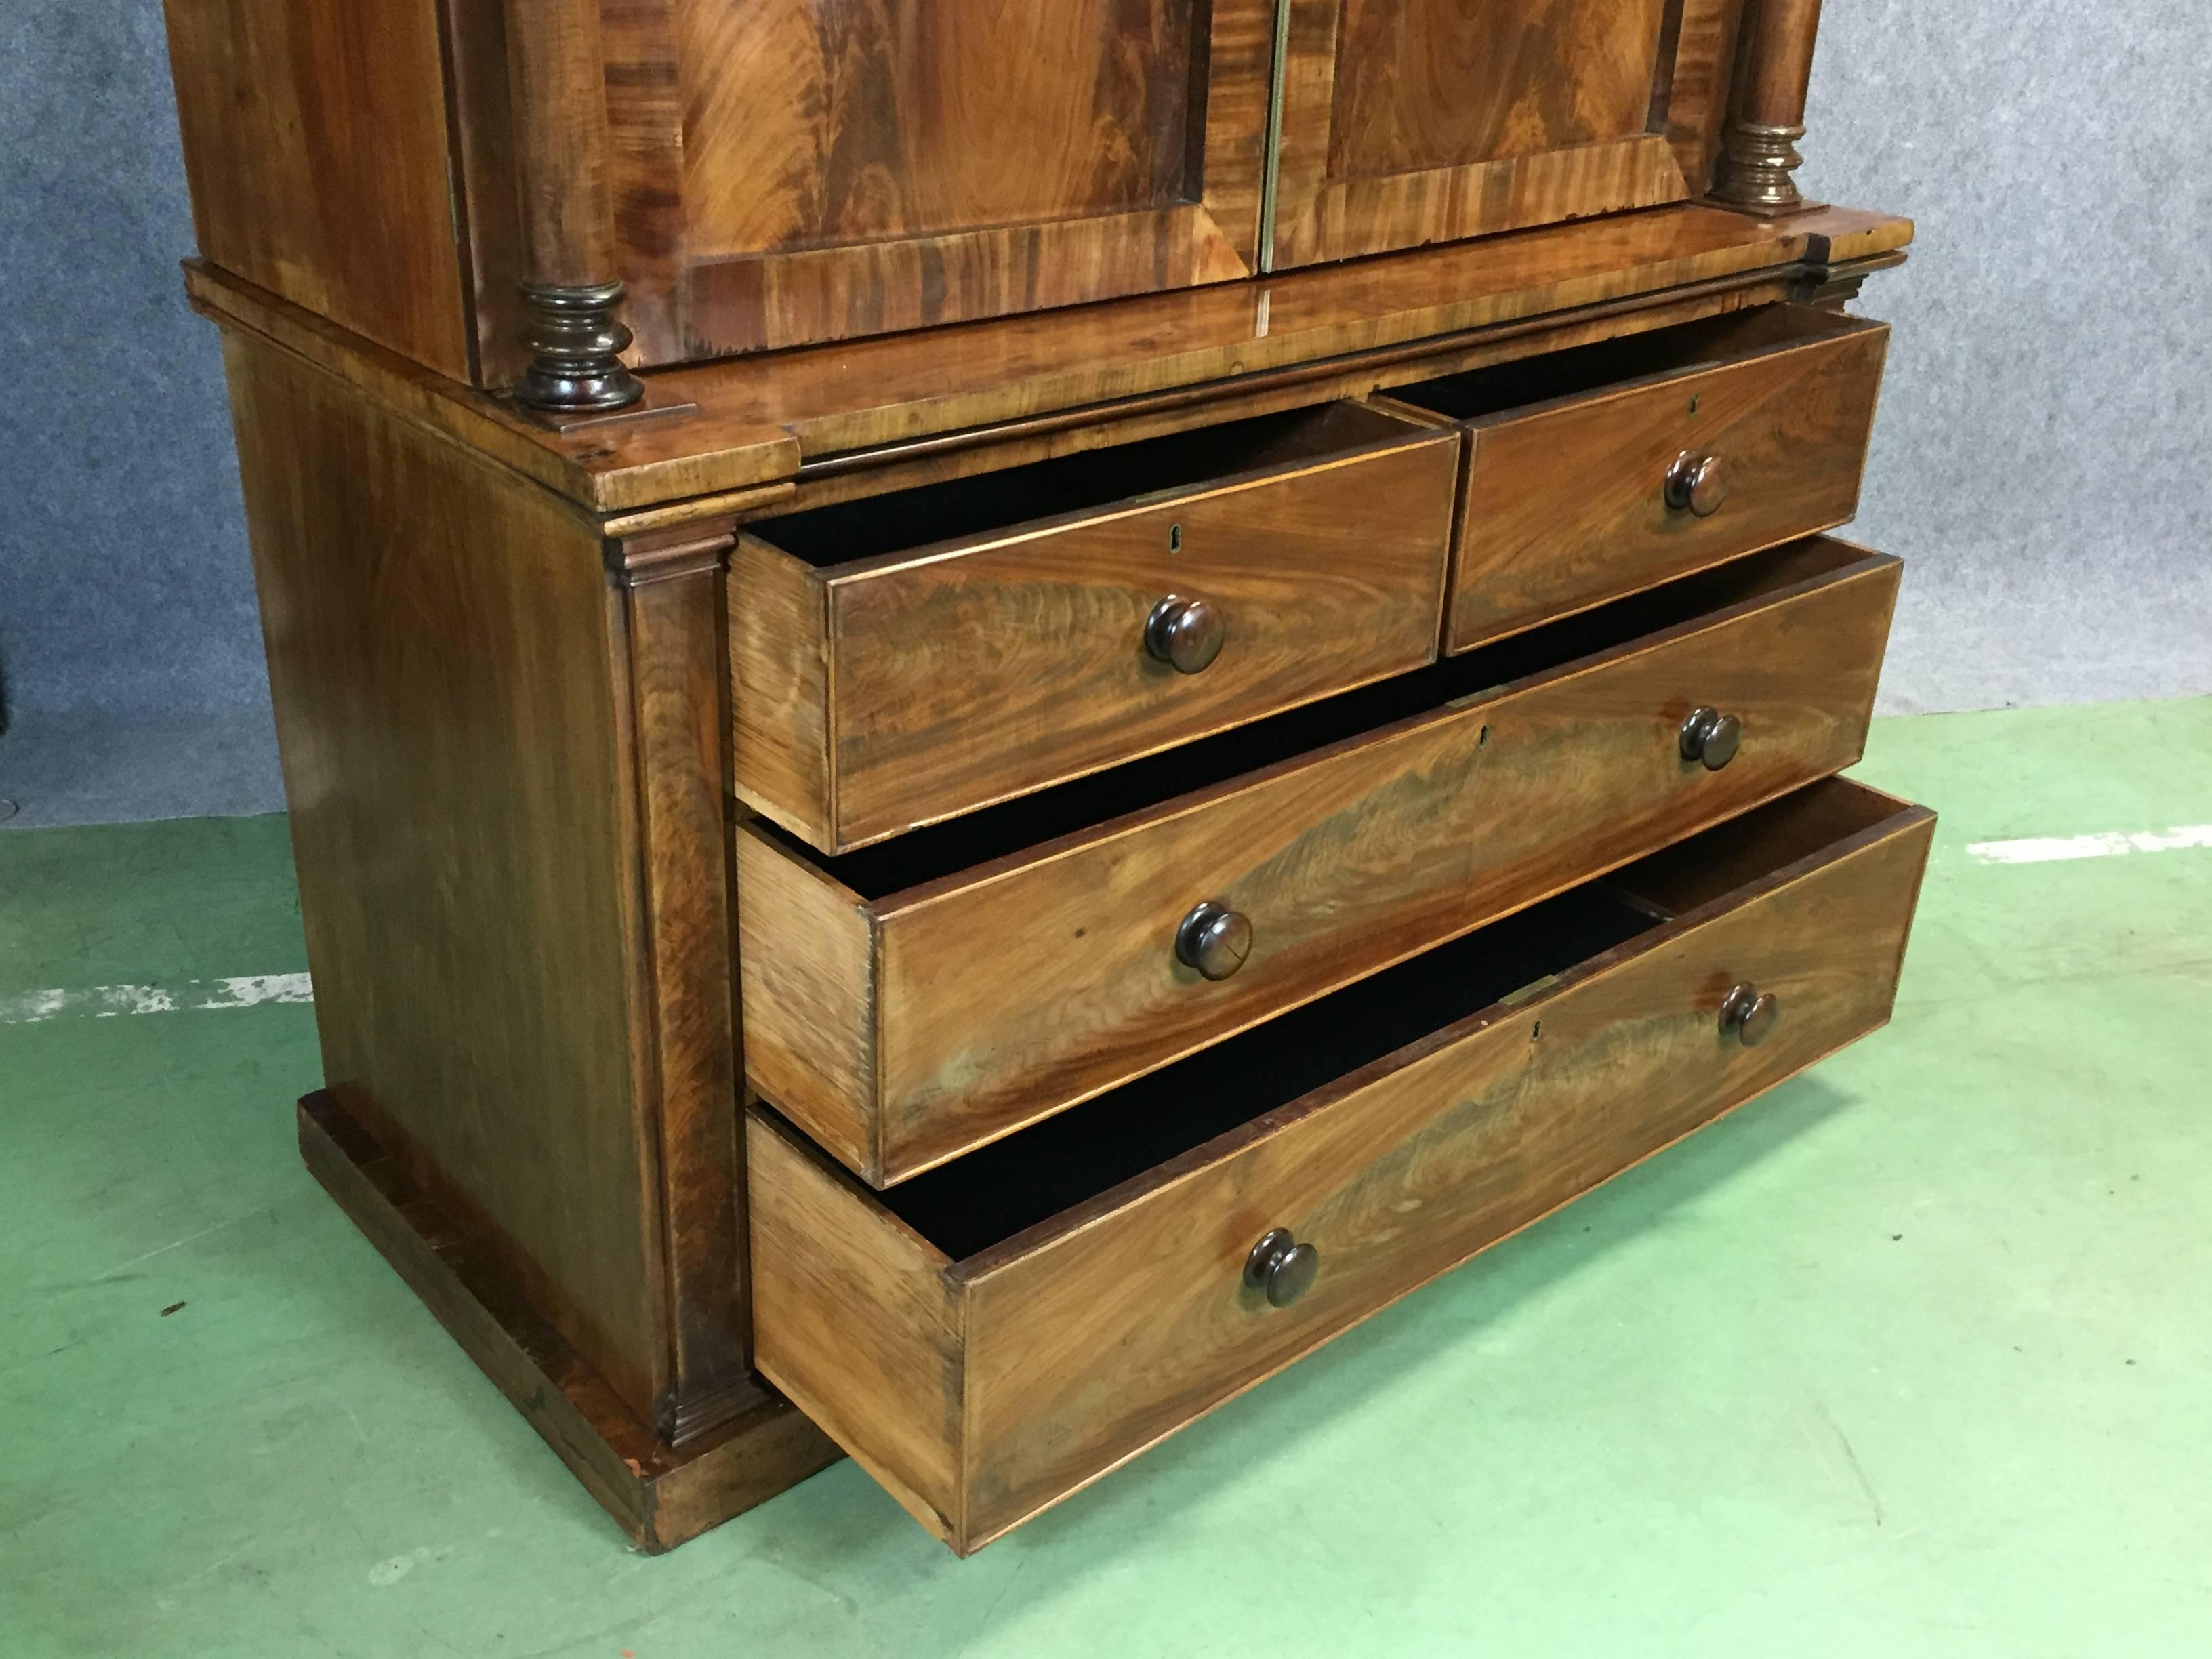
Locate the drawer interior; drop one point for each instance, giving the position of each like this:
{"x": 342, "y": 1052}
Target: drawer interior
{"x": 991, "y": 1195}
{"x": 1661, "y": 352}
{"x": 961, "y": 508}
{"x": 945, "y": 849}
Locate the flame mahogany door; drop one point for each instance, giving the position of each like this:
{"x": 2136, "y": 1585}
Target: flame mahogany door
{"x": 792, "y": 171}
{"x": 1413, "y": 121}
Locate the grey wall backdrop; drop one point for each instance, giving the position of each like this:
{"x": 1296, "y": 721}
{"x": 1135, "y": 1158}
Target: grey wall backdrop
{"x": 2043, "y": 458}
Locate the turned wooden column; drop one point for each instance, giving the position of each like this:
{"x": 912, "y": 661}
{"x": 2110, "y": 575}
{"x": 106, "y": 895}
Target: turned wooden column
{"x": 1774, "y": 70}
{"x": 556, "y": 69}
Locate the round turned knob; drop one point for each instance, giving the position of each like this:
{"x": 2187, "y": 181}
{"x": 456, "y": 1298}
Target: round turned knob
{"x": 1281, "y": 1266}
{"x": 1187, "y": 634}
{"x": 1750, "y": 1014}
{"x": 1697, "y": 483}
{"x": 1711, "y": 738}
{"x": 1214, "y": 940}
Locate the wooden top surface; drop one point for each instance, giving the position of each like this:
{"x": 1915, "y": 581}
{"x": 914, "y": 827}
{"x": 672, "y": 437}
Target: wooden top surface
{"x": 757, "y": 418}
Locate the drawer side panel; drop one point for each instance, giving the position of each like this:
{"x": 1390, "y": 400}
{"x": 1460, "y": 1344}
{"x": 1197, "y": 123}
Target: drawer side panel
{"x": 854, "y": 1321}
{"x": 806, "y": 975}
{"x": 779, "y": 689}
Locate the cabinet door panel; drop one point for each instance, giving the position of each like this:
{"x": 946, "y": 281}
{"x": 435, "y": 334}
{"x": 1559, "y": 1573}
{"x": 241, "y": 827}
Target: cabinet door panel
{"x": 1413, "y": 121}
{"x": 853, "y": 167}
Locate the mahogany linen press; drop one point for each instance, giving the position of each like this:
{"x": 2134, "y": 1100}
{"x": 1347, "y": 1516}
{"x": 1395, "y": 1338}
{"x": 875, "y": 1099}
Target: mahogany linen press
{"x": 994, "y": 711}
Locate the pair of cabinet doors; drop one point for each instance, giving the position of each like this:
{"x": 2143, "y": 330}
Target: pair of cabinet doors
{"x": 795, "y": 171}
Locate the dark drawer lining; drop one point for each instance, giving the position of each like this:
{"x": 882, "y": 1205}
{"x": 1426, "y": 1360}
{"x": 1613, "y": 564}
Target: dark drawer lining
{"x": 959, "y": 508}
{"x": 1001, "y": 1189}
{"x": 944, "y": 849}
{"x": 1581, "y": 370}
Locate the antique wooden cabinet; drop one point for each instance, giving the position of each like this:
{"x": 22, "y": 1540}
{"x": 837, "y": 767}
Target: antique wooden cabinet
{"x": 993, "y": 713}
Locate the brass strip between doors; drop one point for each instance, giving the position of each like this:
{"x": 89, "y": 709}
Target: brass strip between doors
{"x": 1273, "y": 177}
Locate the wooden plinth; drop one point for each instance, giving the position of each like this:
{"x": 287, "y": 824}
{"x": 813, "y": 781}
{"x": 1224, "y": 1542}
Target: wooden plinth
{"x": 661, "y": 1495}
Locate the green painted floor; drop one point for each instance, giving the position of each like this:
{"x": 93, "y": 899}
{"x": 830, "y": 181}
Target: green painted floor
{"x": 1912, "y": 1358}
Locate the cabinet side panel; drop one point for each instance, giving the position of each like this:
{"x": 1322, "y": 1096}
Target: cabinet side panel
{"x": 315, "y": 136}
{"x": 439, "y": 649}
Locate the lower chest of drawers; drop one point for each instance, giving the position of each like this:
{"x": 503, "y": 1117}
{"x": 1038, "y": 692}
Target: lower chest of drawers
{"x": 995, "y": 1335}
{"x": 1128, "y": 1011}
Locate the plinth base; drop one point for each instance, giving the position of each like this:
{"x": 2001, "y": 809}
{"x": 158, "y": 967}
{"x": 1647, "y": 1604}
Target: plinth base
{"x": 660, "y": 1495}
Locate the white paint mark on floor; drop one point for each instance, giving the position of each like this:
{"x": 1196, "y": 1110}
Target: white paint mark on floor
{"x": 2055, "y": 849}
{"x": 191, "y": 996}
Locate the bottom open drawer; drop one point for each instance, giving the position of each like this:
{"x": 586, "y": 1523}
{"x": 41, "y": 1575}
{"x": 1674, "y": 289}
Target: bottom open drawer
{"x": 995, "y": 1335}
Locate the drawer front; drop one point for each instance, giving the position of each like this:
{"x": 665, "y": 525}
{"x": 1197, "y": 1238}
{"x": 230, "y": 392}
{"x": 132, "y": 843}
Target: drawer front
{"x": 932, "y": 684}
{"x": 1582, "y": 501}
{"x": 982, "y": 1390}
{"x": 973, "y": 1006}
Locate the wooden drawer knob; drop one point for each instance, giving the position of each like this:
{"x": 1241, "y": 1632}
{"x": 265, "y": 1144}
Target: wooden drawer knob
{"x": 1711, "y": 738}
{"x": 1697, "y": 483}
{"x": 1281, "y": 1266}
{"x": 1214, "y": 940}
{"x": 1750, "y": 1014}
{"x": 1187, "y": 634}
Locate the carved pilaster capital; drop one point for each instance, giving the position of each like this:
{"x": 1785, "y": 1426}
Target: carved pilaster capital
{"x": 640, "y": 560}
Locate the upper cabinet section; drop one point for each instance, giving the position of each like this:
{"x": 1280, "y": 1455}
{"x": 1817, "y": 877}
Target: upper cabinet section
{"x": 842, "y": 167}
{"x": 1412, "y": 121}
{"x": 550, "y": 194}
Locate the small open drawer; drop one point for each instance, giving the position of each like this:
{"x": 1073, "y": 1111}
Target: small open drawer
{"x": 901, "y": 659}
{"x": 906, "y": 1003}
{"x": 994, "y": 1336}
{"x": 1597, "y": 471}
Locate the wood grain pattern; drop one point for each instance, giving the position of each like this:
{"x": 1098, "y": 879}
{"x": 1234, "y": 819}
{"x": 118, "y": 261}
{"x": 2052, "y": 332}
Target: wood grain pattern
{"x": 852, "y": 166}
{"x": 659, "y": 1496}
{"x": 891, "y": 468}
{"x": 833, "y": 294}
{"x": 460, "y": 783}
{"x": 556, "y": 57}
{"x": 806, "y": 957}
{"x": 1431, "y": 83}
{"x": 780, "y": 695}
{"x": 1563, "y": 505}
{"x": 646, "y": 148}
{"x": 887, "y": 122}
{"x": 755, "y": 421}
{"x": 315, "y": 139}
{"x": 1012, "y": 989}
{"x": 1704, "y": 80}
{"x": 1431, "y": 120}
{"x": 1076, "y": 1345}
{"x": 487, "y": 189}
{"x": 990, "y": 664}
{"x": 1779, "y": 39}
{"x": 671, "y": 648}
{"x": 850, "y": 1305}
{"x": 890, "y": 390}
{"x": 1357, "y": 217}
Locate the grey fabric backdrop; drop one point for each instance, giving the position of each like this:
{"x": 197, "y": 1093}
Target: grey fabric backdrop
{"x": 2042, "y": 458}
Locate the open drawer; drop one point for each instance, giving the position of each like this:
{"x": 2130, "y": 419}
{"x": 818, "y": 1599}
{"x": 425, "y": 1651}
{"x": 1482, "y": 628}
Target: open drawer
{"x": 906, "y": 1003}
{"x": 1593, "y": 472}
{"x": 991, "y": 1337}
{"x": 903, "y": 658}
